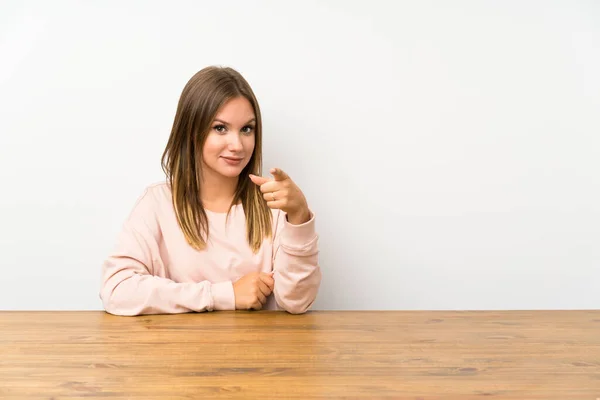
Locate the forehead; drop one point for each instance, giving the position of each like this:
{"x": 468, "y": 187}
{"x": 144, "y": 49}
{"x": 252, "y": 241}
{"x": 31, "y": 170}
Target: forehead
{"x": 236, "y": 110}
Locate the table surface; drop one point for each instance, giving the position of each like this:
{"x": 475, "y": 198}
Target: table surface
{"x": 320, "y": 354}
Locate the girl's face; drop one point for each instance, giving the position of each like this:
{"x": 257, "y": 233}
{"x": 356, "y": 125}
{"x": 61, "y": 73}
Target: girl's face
{"x": 229, "y": 144}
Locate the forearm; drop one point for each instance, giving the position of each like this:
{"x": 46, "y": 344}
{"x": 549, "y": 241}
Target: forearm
{"x": 297, "y": 271}
{"x": 128, "y": 293}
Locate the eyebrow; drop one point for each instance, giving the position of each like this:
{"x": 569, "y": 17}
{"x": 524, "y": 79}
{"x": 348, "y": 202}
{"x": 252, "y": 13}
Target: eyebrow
{"x": 227, "y": 123}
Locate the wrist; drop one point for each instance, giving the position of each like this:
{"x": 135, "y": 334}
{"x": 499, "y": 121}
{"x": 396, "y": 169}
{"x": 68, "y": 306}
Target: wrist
{"x": 299, "y": 217}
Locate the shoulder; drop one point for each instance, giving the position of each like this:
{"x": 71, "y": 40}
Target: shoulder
{"x": 159, "y": 191}
{"x": 155, "y": 192}
{"x": 153, "y": 200}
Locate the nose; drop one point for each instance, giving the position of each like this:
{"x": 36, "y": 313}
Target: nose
{"x": 235, "y": 143}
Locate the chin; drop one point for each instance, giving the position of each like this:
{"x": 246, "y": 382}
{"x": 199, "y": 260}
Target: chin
{"x": 231, "y": 172}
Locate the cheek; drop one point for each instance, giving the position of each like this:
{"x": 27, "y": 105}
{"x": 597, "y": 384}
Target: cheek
{"x": 211, "y": 147}
{"x": 249, "y": 144}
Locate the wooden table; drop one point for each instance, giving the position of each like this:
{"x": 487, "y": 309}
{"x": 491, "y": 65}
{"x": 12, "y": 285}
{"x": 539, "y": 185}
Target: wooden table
{"x": 275, "y": 355}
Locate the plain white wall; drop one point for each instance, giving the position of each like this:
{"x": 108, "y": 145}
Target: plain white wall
{"x": 450, "y": 150}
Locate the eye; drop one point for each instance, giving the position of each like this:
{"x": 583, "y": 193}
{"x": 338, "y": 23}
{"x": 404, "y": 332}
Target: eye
{"x": 219, "y": 128}
{"x": 248, "y": 129}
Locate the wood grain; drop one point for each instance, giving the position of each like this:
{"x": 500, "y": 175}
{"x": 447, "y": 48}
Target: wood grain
{"x": 275, "y": 355}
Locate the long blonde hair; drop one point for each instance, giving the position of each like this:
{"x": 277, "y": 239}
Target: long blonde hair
{"x": 202, "y": 97}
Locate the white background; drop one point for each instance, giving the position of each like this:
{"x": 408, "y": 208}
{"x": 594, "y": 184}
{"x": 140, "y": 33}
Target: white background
{"x": 450, "y": 150}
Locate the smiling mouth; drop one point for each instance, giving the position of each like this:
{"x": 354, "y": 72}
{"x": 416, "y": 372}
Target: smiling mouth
{"x": 233, "y": 159}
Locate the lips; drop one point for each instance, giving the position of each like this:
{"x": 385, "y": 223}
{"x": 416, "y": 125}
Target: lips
{"x": 233, "y": 160}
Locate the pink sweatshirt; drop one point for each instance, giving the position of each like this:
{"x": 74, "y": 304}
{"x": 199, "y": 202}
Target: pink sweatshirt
{"x": 153, "y": 270}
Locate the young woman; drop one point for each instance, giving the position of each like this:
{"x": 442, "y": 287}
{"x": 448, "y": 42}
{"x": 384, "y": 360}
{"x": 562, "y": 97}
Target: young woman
{"x": 216, "y": 235}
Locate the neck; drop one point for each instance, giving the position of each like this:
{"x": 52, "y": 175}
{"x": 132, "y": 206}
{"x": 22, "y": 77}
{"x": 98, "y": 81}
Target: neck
{"x": 217, "y": 191}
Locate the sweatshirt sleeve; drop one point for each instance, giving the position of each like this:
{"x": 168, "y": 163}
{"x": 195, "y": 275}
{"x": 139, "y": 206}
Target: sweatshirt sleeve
{"x": 296, "y": 268}
{"x": 129, "y": 286}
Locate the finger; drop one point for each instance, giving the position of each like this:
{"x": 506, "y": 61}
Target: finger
{"x": 270, "y": 186}
{"x": 276, "y": 205}
{"x": 273, "y": 196}
{"x": 261, "y": 297}
{"x": 264, "y": 288}
{"x": 256, "y": 306}
{"x": 279, "y": 175}
{"x": 268, "y": 280}
{"x": 259, "y": 180}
